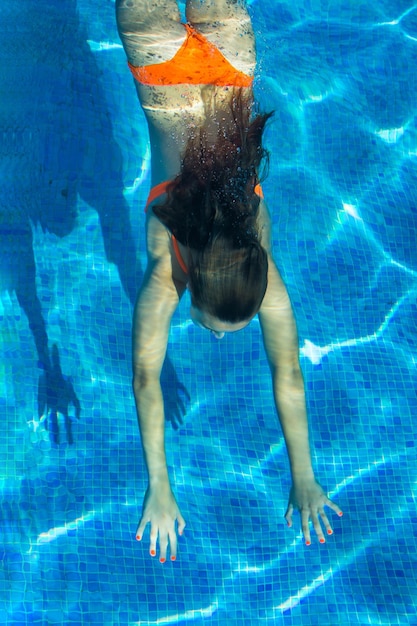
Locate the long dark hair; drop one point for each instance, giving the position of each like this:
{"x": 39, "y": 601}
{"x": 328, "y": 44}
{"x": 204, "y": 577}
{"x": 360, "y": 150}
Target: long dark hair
{"x": 212, "y": 208}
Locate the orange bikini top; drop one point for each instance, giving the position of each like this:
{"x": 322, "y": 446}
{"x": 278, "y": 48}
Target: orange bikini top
{"x": 197, "y": 62}
{"x": 158, "y": 191}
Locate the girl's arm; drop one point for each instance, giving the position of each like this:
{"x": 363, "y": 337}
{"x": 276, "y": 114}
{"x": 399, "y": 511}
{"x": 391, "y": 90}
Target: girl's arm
{"x": 156, "y": 303}
{"x": 281, "y": 345}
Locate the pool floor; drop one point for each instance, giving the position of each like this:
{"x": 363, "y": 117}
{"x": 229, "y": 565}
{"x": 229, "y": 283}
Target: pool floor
{"x": 342, "y": 191}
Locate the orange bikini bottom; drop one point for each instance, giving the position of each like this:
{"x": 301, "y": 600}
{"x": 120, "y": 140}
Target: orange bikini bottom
{"x": 197, "y": 62}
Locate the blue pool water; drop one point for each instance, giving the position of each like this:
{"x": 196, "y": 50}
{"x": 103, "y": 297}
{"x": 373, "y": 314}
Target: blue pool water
{"x": 341, "y": 77}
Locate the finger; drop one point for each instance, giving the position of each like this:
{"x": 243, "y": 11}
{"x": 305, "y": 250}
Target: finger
{"x": 141, "y": 528}
{"x": 163, "y": 543}
{"x": 334, "y": 507}
{"x": 181, "y": 523}
{"x": 288, "y": 515}
{"x": 305, "y": 515}
{"x": 326, "y": 522}
{"x": 153, "y": 540}
{"x": 317, "y": 527}
{"x": 173, "y": 544}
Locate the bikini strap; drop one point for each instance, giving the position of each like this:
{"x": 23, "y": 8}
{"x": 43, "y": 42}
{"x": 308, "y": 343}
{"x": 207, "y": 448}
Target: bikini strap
{"x": 178, "y": 254}
{"x": 156, "y": 192}
{"x": 258, "y": 191}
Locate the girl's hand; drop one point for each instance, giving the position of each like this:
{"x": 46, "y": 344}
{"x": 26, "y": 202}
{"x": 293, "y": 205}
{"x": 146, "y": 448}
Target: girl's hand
{"x": 160, "y": 509}
{"x": 309, "y": 498}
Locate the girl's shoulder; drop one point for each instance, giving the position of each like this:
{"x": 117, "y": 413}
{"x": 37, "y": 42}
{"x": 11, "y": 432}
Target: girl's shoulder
{"x": 161, "y": 251}
{"x": 158, "y": 237}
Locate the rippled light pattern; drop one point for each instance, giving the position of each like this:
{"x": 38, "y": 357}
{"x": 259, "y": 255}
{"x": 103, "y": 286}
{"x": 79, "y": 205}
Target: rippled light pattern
{"x": 342, "y": 189}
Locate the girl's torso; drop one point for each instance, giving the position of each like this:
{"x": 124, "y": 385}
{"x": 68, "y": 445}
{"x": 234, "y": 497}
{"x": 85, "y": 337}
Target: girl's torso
{"x": 174, "y": 114}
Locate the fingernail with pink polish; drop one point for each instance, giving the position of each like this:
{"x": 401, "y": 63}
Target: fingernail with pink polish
{"x": 308, "y": 543}
{"x": 329, "y": 531}
{"x": 138, "y": 537}
{"x": 162, "y": 560}
{"x": 322, "y": 540}
{"x": 340, "y": 514}
{"x": 173, "y": 558}
{"x": 152, "y": 552}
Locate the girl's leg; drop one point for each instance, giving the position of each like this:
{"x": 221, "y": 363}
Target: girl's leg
{"x": 226, "y": 23}
{"x": 150, "y": 30}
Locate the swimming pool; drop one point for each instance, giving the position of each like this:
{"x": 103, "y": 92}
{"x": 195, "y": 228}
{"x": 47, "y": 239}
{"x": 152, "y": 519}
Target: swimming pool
{"x": 343, "y": 193}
